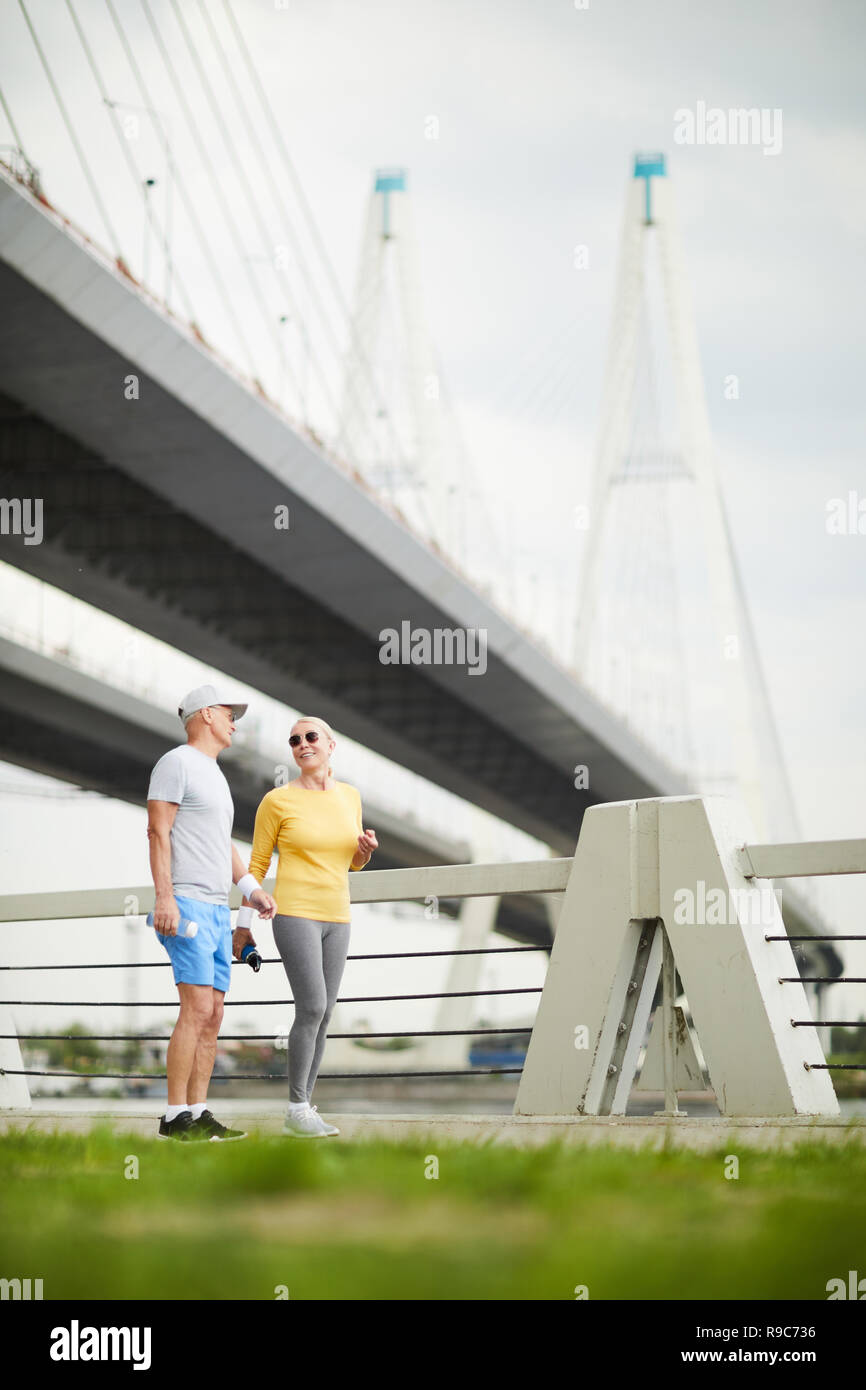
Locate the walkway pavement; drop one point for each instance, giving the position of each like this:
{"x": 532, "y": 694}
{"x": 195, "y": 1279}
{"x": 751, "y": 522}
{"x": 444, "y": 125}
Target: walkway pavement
{"x": 695, "y": 1133}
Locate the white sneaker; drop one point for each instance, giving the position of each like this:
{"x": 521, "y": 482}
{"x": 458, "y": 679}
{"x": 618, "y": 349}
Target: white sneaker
{"x": 304, "y": 1124}
{"x": 329, "y": 1129}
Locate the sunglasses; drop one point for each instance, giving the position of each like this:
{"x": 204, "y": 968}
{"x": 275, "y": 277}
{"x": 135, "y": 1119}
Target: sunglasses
{"x": 311, "y": 736}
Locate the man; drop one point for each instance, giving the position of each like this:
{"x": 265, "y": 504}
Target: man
{"x": 194, "y": 863}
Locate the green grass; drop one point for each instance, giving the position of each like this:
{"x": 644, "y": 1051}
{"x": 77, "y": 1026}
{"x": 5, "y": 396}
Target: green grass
{"x": 359, "y": 1220}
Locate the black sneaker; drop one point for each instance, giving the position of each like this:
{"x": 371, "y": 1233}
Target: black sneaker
{"x": 209, "y": 1127}
{"x": 182, "y": 1127}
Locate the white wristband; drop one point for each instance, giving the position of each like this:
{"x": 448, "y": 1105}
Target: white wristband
{"x": 248, "y": 885}
{"x": 246, "y": 915}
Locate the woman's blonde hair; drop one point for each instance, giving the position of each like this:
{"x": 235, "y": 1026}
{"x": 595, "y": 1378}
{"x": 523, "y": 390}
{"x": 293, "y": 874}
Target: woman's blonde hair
{"x": 314, "y": 719}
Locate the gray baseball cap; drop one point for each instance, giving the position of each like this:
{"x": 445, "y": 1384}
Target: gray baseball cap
{"x": 205, "y": 695}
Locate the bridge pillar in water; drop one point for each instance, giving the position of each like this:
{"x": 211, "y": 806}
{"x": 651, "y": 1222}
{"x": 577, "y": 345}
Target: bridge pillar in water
{"x": 642, "y": 869}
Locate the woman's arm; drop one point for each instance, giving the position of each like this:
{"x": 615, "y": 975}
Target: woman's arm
{"x": 265, "y": 832}
{"x": 367, "y": 842}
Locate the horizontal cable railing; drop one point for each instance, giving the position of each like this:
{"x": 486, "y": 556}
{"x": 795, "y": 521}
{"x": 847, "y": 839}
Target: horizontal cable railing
{"x": 265, "y": 1003}
{"x": 400, "y": 885}
{"x": 276, "y": 960}
{"x": 389, "y": 885}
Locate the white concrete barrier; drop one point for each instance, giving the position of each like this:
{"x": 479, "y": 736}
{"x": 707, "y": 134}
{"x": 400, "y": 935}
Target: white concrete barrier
{"x": 670, "y": 865}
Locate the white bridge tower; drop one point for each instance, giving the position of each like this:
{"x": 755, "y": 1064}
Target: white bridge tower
{"x": 392, "y": 412}
{"x": 663, "y": 633}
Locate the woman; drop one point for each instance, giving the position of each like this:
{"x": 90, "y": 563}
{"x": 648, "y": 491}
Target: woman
{"x": 314, "y": 823}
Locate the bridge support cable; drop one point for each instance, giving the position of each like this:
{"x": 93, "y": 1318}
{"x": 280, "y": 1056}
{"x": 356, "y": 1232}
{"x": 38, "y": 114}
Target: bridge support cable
{"x": 274, "y": 127}
{"x": 273, "y": 186}
{"x": 188, "y": 205}
{"x": 253, "y": 202}
{"x": 76, "y": 143}
{"x": 216, "y": 186}
{"x": 12, "y": 126}
{"x": 126, "y": 150}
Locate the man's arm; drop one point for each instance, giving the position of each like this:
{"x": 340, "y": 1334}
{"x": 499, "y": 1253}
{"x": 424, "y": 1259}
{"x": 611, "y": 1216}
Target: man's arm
{"x": 264, "y": 904}
{"x": 160, "y": 819}
{"x": 238, "y": 868}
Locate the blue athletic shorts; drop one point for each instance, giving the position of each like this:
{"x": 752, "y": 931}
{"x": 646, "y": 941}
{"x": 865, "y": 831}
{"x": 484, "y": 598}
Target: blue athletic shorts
{"x": 206, "y": 958}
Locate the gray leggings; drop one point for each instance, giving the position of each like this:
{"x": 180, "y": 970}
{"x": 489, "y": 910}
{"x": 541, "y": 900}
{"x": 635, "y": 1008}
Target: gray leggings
{"x": 314, "y": 955}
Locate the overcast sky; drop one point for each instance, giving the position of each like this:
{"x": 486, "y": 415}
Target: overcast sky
{"x": 540, "y": 106}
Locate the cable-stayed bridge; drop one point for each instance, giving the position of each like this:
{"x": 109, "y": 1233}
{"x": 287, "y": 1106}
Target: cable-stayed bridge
{"x": 262, "y": 531}
{"x": 160, "y": 511}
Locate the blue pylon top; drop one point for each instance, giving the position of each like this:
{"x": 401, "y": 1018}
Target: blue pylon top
{"x": 389, "y": 181}
{"x": 645, "y": 166}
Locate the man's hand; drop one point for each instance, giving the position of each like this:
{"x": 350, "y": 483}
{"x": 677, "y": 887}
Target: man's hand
{"x": 166, "y": 915}
{"x": 241, "y": 937}
{"x": 264, "y": 904}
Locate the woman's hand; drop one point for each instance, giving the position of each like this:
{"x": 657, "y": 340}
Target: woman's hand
{"x": 265, "y": 905}
{"x": 367, "y": 842}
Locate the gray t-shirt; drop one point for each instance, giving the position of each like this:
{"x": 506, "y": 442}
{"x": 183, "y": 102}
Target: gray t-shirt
{"x": 201, "y": 837}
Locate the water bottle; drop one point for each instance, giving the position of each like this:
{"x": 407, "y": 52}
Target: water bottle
{"x": 184, "y": 927}
{"x": 250, "y": 956}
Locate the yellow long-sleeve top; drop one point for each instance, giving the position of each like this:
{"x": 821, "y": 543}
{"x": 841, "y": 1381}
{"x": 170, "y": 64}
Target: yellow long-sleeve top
{"x": 315, "y": 834}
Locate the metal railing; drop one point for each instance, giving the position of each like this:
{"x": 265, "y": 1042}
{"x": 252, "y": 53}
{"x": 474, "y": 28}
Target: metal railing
{"x": 378, "y": 886}
{"x": 399, "y": 885}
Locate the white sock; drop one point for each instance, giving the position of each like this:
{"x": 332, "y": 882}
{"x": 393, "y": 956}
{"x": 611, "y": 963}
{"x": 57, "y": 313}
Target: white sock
{"x": 198, "y": 1109}
{"x": 295, "y": 1105}
{"x": 172, "y": 1111}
